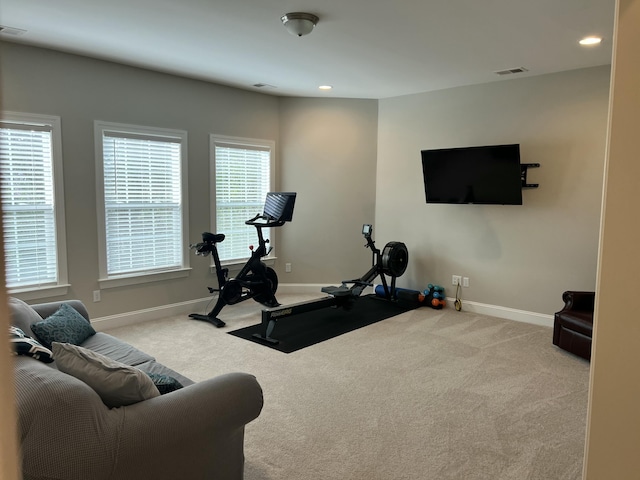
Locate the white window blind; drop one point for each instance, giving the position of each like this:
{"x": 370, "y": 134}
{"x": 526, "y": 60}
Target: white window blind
{"x": 30, "y": 240}
{"x": 142, "y": 203}
{"x": 242, "y": 180}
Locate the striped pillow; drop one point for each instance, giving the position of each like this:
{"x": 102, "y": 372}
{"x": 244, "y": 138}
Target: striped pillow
{"x": 25, "y": 345}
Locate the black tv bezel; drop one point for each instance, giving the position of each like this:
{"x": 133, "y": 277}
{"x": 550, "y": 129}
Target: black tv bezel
{"x": 507, "y": 196}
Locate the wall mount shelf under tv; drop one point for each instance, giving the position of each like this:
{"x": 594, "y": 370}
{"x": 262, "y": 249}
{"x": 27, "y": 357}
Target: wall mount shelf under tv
{"x": 523, "y": 174}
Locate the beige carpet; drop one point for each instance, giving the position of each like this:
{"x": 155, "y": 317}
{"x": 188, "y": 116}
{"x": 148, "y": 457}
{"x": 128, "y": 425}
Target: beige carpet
{"x": 429, "y": 394}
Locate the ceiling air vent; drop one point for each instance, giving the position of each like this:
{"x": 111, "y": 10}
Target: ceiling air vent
{"x": 11, "y": 31}
{"x": 511, "y": 71}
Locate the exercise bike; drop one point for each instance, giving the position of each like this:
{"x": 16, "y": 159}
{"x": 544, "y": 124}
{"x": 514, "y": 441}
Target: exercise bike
{"x": 255, "y": 280}
{"x": 392, "y": 261}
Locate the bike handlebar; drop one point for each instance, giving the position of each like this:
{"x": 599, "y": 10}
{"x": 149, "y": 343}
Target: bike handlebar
{"x": 267, "y": 222}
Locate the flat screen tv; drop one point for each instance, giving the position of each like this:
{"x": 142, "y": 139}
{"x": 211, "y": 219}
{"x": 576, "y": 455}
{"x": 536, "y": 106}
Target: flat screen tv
{"x": 488, "y": 175}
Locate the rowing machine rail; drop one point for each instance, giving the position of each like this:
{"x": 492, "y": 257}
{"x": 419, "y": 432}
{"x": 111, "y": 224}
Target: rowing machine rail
{"x": 392, "y": 261}
{"x": 271, "y": 315}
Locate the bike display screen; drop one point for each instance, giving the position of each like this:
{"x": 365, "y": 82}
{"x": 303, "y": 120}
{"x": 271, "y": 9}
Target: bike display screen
{"x": 279, "y": 206}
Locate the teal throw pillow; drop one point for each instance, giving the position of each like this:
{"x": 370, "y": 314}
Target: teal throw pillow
{"x": 164, "y": 383}
{"x": 25, "y": 345}
{"x": 64, "y": 326}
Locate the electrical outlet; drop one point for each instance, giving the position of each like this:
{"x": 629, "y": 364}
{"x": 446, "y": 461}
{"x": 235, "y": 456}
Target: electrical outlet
{"x": 456, "y": 280}
{"x": 465, "y": 281}
{"x": 287, "y": 267}
{"x": 96, "y": 295}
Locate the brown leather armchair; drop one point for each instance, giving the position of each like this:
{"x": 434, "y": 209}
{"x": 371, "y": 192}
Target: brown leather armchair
{"x": 573, "y": 325}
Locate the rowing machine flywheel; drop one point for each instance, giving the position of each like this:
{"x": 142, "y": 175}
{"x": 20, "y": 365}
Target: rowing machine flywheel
{"x": 395, "y": 258}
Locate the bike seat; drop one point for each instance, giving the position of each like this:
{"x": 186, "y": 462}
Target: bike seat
{"x": 212, "y": 237}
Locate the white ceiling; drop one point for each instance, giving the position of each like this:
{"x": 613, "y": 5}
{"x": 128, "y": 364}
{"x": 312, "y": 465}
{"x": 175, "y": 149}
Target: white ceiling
{"x": 364, "y": 48}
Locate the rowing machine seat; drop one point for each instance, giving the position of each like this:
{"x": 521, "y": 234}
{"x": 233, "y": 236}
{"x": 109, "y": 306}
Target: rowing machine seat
{"x": 341, "y": 291}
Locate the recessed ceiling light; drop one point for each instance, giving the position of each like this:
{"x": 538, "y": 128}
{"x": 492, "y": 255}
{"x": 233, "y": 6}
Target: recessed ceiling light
{"x": 588, "y": 41}
{"x": 325, "y": 87}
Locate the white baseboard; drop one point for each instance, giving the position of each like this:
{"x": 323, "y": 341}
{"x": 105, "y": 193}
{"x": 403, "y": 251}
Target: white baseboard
{"x": 469, "y": 306}
{"x": 139, "y": 316}
{"x": 199, "y": 306}
{"x": 504, "y": 312}
{"x": 185, "y": 308}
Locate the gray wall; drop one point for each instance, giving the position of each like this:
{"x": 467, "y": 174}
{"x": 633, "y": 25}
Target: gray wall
{"x": 328, "y": 155}
{"x": 326, "y": 152}
{"x": 81, "y": 90}
{"x": 352, "y": 162}
{"x": 522, "y": 257}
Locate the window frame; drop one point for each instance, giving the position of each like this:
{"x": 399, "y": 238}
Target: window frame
{"x": 152, "y": 275}
{"x": 61, "y": 286}
{"x": 239, "y": 142}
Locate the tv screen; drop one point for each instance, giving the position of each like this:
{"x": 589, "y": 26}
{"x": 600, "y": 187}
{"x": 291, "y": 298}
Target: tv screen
{"x": 487, "y": 175}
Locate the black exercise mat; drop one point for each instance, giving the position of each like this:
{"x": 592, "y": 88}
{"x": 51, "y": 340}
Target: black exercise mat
{"x": 300, "y": 331}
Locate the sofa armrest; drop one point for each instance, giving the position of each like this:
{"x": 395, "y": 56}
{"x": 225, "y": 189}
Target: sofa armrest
{"x": 582, "y": 301}
{"x": 47, "y": 309}
{"x": 65, "y": 431}
{"x": 195, "y": 432}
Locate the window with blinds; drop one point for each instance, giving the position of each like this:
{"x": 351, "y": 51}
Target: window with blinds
{"x": 33, "y": 217}
{"x": 142, "y": 181}
{"x": 242, "y": 179}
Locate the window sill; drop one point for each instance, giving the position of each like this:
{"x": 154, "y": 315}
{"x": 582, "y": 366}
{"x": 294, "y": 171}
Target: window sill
{"x": 36, "y": 293}
{"x": 137, "y": 279}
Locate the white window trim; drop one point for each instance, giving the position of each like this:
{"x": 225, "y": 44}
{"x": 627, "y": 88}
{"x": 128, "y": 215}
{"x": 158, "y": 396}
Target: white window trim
{"x": 62, "y": 286}
{"x": 239, "y": 142}
{"x": 113, "y": 281}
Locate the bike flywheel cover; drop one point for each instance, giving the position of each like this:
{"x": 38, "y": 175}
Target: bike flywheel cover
{"x": 231, "y": 292}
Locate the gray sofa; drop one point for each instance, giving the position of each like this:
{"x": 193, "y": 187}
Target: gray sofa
{"x": 67, "y": 432}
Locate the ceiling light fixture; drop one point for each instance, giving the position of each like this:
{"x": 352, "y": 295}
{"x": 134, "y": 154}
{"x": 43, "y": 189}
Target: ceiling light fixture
{"x": 299, "y": 23}
{"x": 588, "y": 41}
{"x": 325, "y": 87}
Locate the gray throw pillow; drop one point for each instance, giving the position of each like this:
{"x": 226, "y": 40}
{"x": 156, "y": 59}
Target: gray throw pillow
{"x": 23, "y": 315}
{"x": 116, "y": 383}
{"x": 64, "y": 326}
